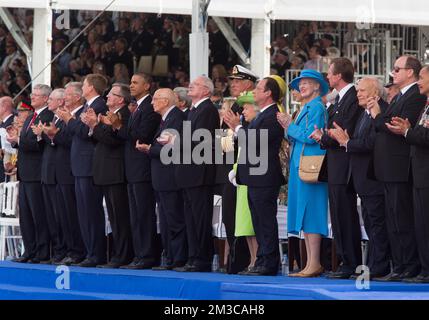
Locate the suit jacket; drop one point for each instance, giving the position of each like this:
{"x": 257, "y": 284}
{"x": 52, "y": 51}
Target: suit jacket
{"x": 108, "y": 161}
{"x": 63, "y": 142}
{"x": 163, "y": 175}
{"x": 361, "y": 147}
{"x": 30, "y": 150}
{"x": 336, "y": 163}
{"x": 418, "y": 138}
{"x": 83, "y": 145}
{"x": 273, "y": 176}
{"x": 5, "y": 124}
{"x": 205, "y": 116}
{"x": 392, "y": 160}
{"x": 142, "y": 126}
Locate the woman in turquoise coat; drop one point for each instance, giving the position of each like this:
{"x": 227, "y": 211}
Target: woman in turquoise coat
{"x": 307, "y": 202}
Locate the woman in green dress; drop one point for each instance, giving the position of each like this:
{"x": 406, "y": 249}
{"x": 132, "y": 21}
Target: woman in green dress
{"x": 243, "y": 219}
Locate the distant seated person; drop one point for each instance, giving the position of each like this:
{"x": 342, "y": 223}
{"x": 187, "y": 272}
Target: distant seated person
{"x": 328, "y": 46}
{"x": 281, "y": 63}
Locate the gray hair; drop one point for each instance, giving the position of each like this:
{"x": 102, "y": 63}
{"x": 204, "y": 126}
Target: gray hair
{"x": 182, "y": 93}
{"x": 124, "y": 91}
{"x": 378, "y": 84}
{"x": 59, "y": 93}
{"x": 208, "y": 83}
{"x": 77, "y": 87}
{"x": 43, "y": 88}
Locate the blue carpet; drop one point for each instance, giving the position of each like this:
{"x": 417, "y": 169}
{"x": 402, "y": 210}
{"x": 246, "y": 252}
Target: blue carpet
{"x": 32, "y": 281}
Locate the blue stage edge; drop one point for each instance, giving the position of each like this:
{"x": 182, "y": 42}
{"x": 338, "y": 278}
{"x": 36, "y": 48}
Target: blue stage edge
{"x": 37, "y": 282}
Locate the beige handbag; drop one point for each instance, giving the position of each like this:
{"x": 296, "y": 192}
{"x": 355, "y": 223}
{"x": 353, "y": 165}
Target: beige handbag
{"x": 309, "y": 166}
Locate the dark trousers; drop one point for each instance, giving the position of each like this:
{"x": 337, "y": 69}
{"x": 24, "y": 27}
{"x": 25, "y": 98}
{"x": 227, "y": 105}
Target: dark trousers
{"x": 67, "y": 212}
{"x": 263, "y": 209}
{"x": 173, "y": 227}
{"x": 374, "y": 217}
{"x": 51, "y": 208}
{"x": 116, "y": 197}
{"x": 239, "y": 256}
{"x": 143, "y": 222}
{"x": 400, "y": 227}
{"x": 421, "y": 217}
{"x": 345, "y": 225}
{"x": 89, "y": 199}
{"x": 198, "y": 217}
{"x": 32, "y": 220}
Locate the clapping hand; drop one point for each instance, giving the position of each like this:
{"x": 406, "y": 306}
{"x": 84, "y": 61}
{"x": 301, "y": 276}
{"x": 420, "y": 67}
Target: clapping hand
{"x": 64, "y": 114}
{"x": 37, "y": 129}
{"x": 166, "y": 138}
{"x": 317, "y": 134}
{"x": 339, "y": 134}
{"x": 398, "y": 125}
{"x": 12, "y": 134}
{"x": 373, "y": 106}
{"x": 284, "y": 119}
{"x": 50, "y": 130}
{"x": 232, "y": 119}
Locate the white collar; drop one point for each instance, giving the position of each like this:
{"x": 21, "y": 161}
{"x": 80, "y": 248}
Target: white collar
{"x": 40, "y": 110}
{"x": 199, "y": 102}
{"x": 184, "y": 110}
{"x": 90, "y": 101}
{"x": 266, "y": 107}
{"x": 168, "y": 111}
{"x": 75, "y": 110}
{"x": 405, "y": 89}
{"x": 344, "y": 90}
{"x": 5, "y": 119}
{"x": 141, "y": 99}
{"x": 116, "y": 111}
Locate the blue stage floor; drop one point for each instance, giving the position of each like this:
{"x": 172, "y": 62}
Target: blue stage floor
{"x": 31, "y": 281}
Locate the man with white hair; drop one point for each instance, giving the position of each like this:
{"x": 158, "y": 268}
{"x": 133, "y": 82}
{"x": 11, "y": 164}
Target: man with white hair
{"x": 197, "y": 180}
{"x": 360, "y": 146}
{"x": 32, "y": 215}
{"x": 184, "y": 102}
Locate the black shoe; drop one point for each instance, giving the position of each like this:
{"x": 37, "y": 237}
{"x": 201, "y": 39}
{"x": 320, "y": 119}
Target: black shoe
{"x": 33, "y": 260}
{"x": 339, "y": 275}
{"x": 409, "y": 275}
{"x": 48, "y": 261}
{"x": 264, "y": 271}
{"x": 137, "y": 265}
{"x": 248, "y": 271}
{"x": 22, "y": 259}
{"x": 186, "y": 268}
{"x": 169, "y": 266}
{"x": 421, "y": 278}
{"x": 87, "y": 263}
{"x": 391, "y": 277}
{"x": 110, "y": 265}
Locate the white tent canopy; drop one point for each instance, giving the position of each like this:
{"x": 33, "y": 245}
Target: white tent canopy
{"x": 410, "y": 12}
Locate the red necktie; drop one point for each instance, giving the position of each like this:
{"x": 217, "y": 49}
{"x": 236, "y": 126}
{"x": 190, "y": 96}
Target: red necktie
{"x": 32, "y": 120}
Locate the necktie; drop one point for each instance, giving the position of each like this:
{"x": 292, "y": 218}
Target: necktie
{"x": 32, "y": 120}
{"x": 333, "y": 109}
{"x": 85, "y": 107}
{"x": 56, "y": 119}
{"x": 365, "y": 119}
{"x": 397, "y": 97}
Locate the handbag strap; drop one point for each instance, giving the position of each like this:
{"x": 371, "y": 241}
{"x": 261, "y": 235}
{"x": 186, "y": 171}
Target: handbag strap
{"x": 306, "y": 126}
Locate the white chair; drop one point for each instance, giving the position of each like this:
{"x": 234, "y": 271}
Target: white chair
{"x": 218, "y": 226}
{"x": 9, "y": 203}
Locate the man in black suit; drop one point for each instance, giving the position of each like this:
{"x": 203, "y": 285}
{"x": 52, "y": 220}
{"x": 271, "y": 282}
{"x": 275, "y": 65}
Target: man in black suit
{"x": 56, "y": 100}
{"x": 360, "y": 146}
{"x": 109, "y": 171}
{"x": 418, "y": 138}
{"x": 264, "y": 186}
{"x": 197, "y": 180}
{"x": 61, "y": 139}
{"x": 392, "y": 166}
{"x": 6, "y": 116}
{"x": 342, "y": 196}
{"x": 172, "y": 219}
{"x": 142, "y": 126}
{"x": 89, "y": 197}
{"x": 32, "y": 215}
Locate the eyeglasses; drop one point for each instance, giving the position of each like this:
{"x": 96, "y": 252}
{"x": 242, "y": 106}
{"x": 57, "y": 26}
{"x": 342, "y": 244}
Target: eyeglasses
{"x": 118, "y": 95}
{"x": 397, "y": 69}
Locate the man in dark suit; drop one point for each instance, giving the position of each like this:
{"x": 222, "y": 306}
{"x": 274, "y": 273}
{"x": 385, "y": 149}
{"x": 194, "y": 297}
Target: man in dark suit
{"x": 56, "y": 100}
{"x": 392, "y": 166}
{"x": 89, "y": 197}
{"x": 61, "y": 139}
{"x": 360, "y": 146}
{"x": 142, "y": 126}
{"x": 32, "y": 216}
{"x": 264, "y": 186}
{"x": 109, "y": 171}
{"x": 418, "y": 138}
{"x": 342, "y": 196}
{"x": 197, "y": 180}
{"x": 172, "y": 219}
{"x": 6, "y": 116}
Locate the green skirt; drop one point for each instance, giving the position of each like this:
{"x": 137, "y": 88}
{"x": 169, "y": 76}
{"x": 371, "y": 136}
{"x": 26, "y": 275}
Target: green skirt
{"x": 243, "y": 218}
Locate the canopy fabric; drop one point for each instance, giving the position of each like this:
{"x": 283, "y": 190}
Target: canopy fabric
{"x": 411, "y": 12}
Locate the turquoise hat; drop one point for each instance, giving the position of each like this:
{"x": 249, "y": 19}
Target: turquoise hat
{"x": 312, "y": 74}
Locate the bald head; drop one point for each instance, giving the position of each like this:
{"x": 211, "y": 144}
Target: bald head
{"x": 162, "y": 100}
{"x": 6, "y": 107}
